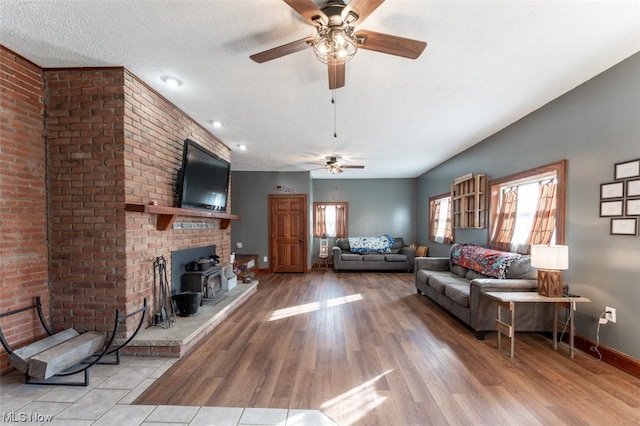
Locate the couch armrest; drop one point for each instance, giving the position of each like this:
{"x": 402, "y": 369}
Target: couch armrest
{"x": 431, "y": 263}
{"x": 411, "y": 254}
{"x": 484, "y": 285}
{"x": 336, "y": 254}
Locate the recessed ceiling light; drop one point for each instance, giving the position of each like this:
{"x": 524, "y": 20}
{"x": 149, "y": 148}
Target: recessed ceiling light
{"x": 171, "y": 81}
{"x": 242, "y": 147}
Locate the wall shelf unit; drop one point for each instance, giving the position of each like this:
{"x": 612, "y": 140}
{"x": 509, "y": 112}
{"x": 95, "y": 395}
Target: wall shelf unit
{"x": 469, "y": 201}
{"x": 167, "y": 215}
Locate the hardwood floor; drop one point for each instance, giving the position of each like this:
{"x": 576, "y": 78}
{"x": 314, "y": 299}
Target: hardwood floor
{"x": 365, "y": 349}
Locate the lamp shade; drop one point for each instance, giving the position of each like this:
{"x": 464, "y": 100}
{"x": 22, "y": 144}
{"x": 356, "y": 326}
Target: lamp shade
{"x": 550, "y": 257}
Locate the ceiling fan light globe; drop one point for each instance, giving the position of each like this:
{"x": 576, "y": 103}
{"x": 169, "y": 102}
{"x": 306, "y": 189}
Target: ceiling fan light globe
{"x": 322, "y": 48}
{"x": 335, "y": 45}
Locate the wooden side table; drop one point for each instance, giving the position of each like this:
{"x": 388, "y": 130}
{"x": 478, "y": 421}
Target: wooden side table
{"x": 244, "y": 264}
{"x": 508, "y": 300}
{"x": 323, "y": 256}
{"x": 323, "y": 261}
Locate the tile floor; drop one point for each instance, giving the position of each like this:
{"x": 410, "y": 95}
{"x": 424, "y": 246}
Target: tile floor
{"x": 107, "y": 401}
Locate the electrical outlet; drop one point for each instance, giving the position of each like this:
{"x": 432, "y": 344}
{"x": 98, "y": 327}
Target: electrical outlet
{"x": 238, "y": 245}
{"x": 265, "y": 259}
{"x": 610, "y": 314}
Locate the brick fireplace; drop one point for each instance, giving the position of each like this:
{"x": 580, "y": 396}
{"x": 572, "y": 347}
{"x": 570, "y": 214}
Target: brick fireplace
{"x": 112, "y": 141}
{"x": 107, "y": 139}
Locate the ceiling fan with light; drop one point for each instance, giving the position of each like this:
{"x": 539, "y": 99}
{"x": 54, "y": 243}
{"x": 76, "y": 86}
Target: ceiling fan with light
{"x": 336, "y": 42}
{"x": 333, "y": 166}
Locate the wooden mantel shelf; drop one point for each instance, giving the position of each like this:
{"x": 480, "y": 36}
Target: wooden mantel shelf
{"x": 167, "y": 215}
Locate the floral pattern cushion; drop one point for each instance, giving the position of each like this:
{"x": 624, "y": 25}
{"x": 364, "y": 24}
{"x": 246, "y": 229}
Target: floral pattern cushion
{"x": 492, "y": 263}
{"x": 380, "y": 244}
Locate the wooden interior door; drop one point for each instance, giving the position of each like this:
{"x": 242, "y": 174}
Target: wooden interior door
{"x": 288, "y": 233}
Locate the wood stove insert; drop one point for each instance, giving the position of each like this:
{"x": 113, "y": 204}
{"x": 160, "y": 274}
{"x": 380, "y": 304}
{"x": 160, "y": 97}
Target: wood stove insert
{"x": 208, "y": 282}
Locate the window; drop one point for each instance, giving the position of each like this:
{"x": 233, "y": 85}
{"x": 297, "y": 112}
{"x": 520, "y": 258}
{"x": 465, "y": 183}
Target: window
{"x": 330, "y": 219}
{"x": 528, "y": 208}
{"x": 440, "y": 230}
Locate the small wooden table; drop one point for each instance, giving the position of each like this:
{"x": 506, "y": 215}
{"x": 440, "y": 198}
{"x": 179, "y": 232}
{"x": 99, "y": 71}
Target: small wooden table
{"x": 323, "y": 261}
{"x": 508, "y": 301}
{"x": 244, "y": 264}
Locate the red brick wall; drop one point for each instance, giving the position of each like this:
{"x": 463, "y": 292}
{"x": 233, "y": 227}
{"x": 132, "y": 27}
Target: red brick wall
{"x": 23, "y": 212}
{"x": 154, "y": 132}
{"x": 110, "y": 140}
{"x": 113, "y": 141}
{"x": 85, "y": 110}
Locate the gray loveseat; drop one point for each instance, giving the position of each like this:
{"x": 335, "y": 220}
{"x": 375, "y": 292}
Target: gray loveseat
{"x": 399, "y": 259}
{"x": 457, "y": 284}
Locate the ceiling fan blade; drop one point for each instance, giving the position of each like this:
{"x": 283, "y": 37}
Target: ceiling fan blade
{"x": 336, "y": 76}
{"x": 285, "y": 49}
{"x": 362, "y": 8}
{"x": 306, "y": 9}
{"x": 390, "y": 44}
{"x": 353, "y": 166}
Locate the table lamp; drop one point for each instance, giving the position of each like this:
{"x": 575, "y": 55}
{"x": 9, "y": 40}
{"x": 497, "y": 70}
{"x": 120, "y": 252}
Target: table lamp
{"x": 550, "y": 261}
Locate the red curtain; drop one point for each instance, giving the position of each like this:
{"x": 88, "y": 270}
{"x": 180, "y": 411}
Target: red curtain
{"x": 506, "y": 222}
{"x": 320, "y": 220}
{"x": 434, "y": 214}
{"x": 319, "y": 227}
{"x": 341, "y": 221}
{"x": 448, "y": 230}
{"x": 544, "y": 221}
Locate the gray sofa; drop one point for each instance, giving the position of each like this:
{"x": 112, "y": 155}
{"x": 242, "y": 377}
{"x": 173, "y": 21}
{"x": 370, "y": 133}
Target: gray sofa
{"x": 400, "y": 259}
{"x": 459, "y": 289}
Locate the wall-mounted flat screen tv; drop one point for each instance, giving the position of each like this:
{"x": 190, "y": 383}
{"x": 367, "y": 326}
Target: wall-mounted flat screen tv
{"x": 203, "y": 180}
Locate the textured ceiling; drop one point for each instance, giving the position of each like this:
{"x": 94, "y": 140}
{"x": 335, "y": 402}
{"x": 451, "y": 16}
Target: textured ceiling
{"x": 486, "y": 65}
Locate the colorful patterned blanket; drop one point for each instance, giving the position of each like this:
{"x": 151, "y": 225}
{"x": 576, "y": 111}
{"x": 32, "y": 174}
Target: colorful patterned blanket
{"x": 492, "y": 263}
{"x": 380, "y": 244}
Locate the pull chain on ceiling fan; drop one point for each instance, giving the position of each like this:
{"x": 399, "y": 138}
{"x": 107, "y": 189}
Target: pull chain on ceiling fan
{"x": 334, "y": 101}
{"x": 336, "y": 40}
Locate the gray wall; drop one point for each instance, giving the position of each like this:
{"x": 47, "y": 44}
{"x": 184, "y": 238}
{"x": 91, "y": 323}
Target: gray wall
{"x": 594, "y": 126}
{"x": 376, "y": 206}
{"x": 250, "y": 199}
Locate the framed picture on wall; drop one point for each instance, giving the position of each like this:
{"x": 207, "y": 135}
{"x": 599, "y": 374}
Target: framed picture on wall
{"x": 633, "y": 188}
{"x": 611, "y": 208}
{"x": 624, "y": 226}
{"x": 628, "y": 169}
{"x": 611, "y": 190}
{"x": 633, "y": 207}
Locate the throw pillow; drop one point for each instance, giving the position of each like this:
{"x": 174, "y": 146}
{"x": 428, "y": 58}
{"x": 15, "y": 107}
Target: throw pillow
{"x": 380, "y": 244}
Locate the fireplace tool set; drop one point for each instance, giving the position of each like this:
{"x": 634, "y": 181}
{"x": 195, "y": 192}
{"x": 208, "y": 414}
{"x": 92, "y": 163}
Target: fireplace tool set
{"x": 162, "y": 294}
